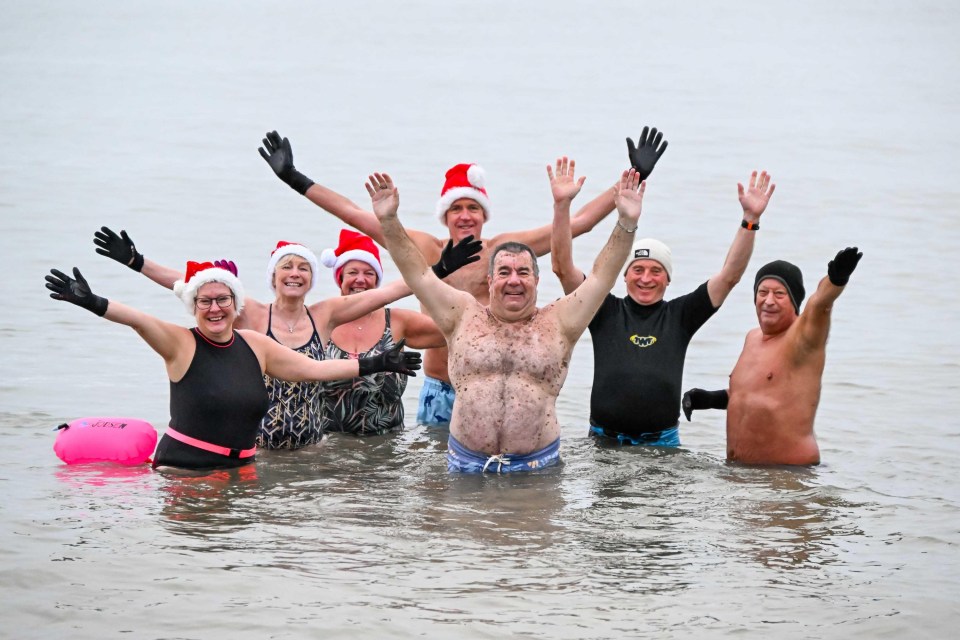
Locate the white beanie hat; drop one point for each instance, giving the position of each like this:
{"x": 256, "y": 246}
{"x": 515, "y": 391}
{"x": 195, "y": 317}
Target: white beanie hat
{"x": 201, "y": 273}
{"x": 285, "y": 249}
{"x": 650, "y": 249}
{"x": 464, "y": 181}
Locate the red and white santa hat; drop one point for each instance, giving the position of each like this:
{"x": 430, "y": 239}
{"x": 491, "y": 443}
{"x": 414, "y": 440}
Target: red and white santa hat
{"x": 201, "y": 273}
{"x": 353, "y": 246}
{"x": 464, "y": 181}
{"x": 285, "y": 249}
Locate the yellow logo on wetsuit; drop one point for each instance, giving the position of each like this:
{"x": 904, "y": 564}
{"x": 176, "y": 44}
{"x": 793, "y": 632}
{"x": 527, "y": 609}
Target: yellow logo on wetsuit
{"x": 643, "y": 341}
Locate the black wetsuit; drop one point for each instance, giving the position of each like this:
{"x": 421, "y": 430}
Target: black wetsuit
{"x": 638, "y": 354}
{"x": 220, "y": 400}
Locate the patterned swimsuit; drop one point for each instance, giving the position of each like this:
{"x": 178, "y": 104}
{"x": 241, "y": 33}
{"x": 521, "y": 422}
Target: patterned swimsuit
{"x": 293, "y": 419}
{"x": 365, "y": 406}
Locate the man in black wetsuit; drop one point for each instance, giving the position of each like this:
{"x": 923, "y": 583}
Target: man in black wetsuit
{"x": 641, "y": 339}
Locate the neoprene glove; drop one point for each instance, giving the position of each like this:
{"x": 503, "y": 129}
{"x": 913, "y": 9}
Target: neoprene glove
{"x": 394, "y": 360}
{"x": 840, "y": 268}
{"x": 644, "y": 156}
{"x": 700, "y": 399}
{"x": 453, "y": 257}
{"x": 75, "y": 291}
{"x": 119, "y": 248}
{"x": 227, "y": 265}
{"x": 279, "y": 156}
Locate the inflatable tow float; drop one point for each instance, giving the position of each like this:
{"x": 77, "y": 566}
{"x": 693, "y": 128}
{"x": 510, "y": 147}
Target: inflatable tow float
{"x": 126, "y": 441}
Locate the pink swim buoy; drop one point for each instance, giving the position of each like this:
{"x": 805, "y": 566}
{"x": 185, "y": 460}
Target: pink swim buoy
{"x": 124, "y": 440}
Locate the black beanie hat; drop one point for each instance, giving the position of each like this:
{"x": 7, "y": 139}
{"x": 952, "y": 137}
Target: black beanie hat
{"x": 788, "y": 274}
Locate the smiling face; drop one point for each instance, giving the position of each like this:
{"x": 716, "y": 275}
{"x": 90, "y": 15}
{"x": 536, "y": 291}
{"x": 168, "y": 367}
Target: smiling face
{"x": 357, "y": 276}
{"x": 215, "y": 321}
{"x": 775, "y": 310}
{"x": 646, "y": 281}
{"x": 292, "y": 277}
{"x": 464, "y": 218}
{"x": 513, "y": 284}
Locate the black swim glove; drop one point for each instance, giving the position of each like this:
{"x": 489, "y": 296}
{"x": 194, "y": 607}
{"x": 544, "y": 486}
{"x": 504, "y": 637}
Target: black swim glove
{"x": 644, "y": 156}
{"x": 840, "y": 268}
{"x": 394, "y": 360}
{"x": 453, "y": 257}
{"x": 700, "y": 399}
{"x": 279, "y": 156}
{"x": 75, "y": 291}
{"x": 119, "y": 248}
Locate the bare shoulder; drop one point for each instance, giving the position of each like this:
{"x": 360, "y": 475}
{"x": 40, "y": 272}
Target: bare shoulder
{"x": 253, "y": 316}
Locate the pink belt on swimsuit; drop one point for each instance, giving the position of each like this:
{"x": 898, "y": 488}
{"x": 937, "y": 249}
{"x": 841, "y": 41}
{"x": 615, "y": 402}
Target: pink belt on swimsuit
{"x": 212, "y": 448}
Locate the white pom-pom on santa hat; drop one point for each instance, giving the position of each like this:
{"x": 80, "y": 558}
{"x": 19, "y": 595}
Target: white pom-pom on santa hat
{"x": 464, "y": 181}
{"x": 352, "y": 246}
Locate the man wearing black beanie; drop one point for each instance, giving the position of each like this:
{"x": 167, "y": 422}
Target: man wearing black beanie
{"x": 775, "y": 386}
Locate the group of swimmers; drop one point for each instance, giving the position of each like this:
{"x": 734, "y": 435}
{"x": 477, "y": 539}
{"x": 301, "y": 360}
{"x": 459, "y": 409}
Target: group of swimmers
{"x": 494, "y": 362}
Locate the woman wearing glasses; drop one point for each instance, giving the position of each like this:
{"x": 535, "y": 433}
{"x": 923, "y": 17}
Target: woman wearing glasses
{"x": 217, "y": 396}
{"x": 351, "y": 325}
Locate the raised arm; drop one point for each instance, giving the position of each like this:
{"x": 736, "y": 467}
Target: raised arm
{"x": 813, "y": 325}
{"x": 122, "y": 249}
{"x": 278, "y": 153}
{"x": 754, "y": 200}
{"x": 561, "y": 239}
{"x": 171, "y": 341}
{"x": 444, "y": 303}
{"x": 577, "y": 309}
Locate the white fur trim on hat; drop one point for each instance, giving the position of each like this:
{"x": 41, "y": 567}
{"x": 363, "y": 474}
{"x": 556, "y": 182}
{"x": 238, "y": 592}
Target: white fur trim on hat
{"x": 650, "y": 249}
{"x": 330, "y": 259}
{"x": 291, "y": 249}
{"x": 187, "y": 291}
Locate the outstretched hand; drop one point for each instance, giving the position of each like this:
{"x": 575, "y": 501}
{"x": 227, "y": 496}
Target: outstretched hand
{"x": 644, "y": 156}
{"x": 279, "y": 155}
{"x": 119, "y": 248}
{"x": 455, "y": 256}
{"x": 756, "y": 196}
{"x": 384, "y": 196}
{"x": 840, "y": 268}
{"x": 629, "y": 195}
{"x": 563, "y": 184}
{"x": 75, "y": 291}
{"x": 393, "y": 360}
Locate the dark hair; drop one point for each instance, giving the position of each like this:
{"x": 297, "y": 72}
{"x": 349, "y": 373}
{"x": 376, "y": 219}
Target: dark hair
{"x": 514, "y": 247}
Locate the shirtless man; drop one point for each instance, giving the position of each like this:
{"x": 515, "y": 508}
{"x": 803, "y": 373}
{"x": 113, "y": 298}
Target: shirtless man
{"x": 463, "y": 208}
{"x": 775, "y": 385}
{"x": 509, "y": 358}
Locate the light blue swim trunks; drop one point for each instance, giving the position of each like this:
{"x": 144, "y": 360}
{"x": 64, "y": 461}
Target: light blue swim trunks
{"x": 665, "y": 438}
{"x": 463, "y": 460}
{"x": 436, "y": 403}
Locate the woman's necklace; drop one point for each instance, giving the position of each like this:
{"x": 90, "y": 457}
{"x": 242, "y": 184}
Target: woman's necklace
{"x": 293, "y": 325}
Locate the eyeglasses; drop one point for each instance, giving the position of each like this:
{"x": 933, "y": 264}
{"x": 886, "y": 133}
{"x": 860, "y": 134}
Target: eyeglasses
{"x": 223, "y": 302}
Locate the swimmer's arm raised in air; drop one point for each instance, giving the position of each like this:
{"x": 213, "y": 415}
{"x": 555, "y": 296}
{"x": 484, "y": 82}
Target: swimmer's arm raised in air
{"x": 577, "y": 309}
{"x": 561, "y": 237}
{"x": 754, "y": 200}
{"x": 813, "y": 325}
{"x": 278, "y": 153}
{"x": 444, "y": 303}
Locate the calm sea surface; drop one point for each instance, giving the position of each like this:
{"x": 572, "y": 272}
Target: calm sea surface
{"x": 146, "y": 116}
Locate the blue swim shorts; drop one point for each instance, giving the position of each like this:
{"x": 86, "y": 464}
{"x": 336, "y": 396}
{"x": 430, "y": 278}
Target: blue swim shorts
{"x": 463, "y": 460}
{"x": 436, "y": 403}
{"x": 666, "y": 438}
